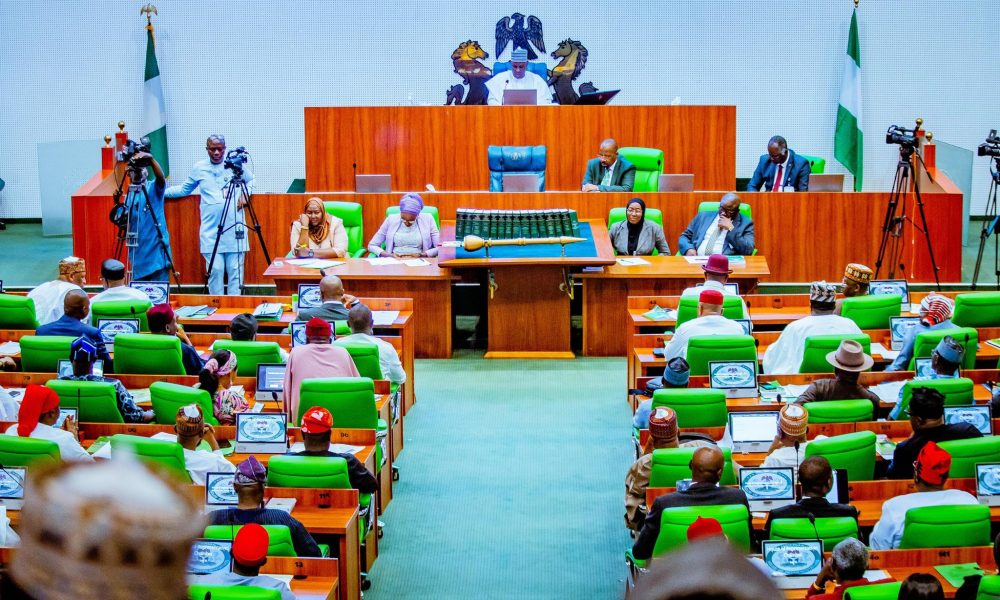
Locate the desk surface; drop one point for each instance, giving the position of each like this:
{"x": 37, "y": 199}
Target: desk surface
{"x": 357, "y": 268}
{"x": 677, "y": 267}
{"x": 602, "y": 243}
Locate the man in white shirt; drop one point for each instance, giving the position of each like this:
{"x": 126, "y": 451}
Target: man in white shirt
{"x": 709, "y": 322}
{"x": 113, "y": 276}
{"x": 49, "y": 296}
{"x": 191, "y": 429}
{"x": 930, "y": 472}
{"x": 789, "y": 446}
{"x": 35, "y": 419}
{"x": 249, "y": 555}
{"x": 361, "y": 322}
{"x": 518, "y": 78}
{"x": 785, "y": 354}
{"x": 717, "y": 273}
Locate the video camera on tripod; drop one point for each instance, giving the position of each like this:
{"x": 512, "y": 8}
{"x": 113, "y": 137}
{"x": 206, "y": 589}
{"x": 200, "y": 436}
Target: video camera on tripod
{"x": 905, "y": 138}
{"x": 130, "y": 149}
{"x": 235, "y": 159}
{"x": 991, "y": 147}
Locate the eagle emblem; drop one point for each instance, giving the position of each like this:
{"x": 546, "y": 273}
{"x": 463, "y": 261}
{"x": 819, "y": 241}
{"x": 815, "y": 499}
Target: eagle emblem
{"x": 513, "y": 30}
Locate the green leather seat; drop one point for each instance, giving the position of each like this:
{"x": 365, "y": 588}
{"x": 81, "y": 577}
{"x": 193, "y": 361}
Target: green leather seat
{"x": 703, "y": 349}
{"x": 816, "y": 164}
{"x": 167, "y": 398}
{"x": 168, "y": 456}
{"x": 818, "y": 346}
{"x": 42, "y": 353}
{"x": 956, "y": 392}
{"x": 981, "y": 309}
{"x": 121, "y": 309}
{"x": 687, "y": 308}
{"x": 854, "y": 452}
{"x": 648, "y": 167}
{"x": 341, "y": 328}
{"x": 279, "y": 537}
{"x": 872, "y": 312}
{"x": 965, "y": 454}
{"x": 671, "y": 464}
{"x": 617, "y": 214}
{"x": 430, "y": 210}
{"x": 250, "y": 354}
{"x": 18, "y": 451}
{"x": 351, "y": 401}
{"x": 674, "y": 523}
{"x": 97, "y": 400}
{"x": 695, "y": 407}
{"x": 989, "y": 588}
{"x": 926, "y": 341}
{"x": 832, "y": 530}
{"x": 17, "y": 312}
{"x": 946, "y": 526}
{"x": 365, "y": 356}
{"x": 840, "y": 411}
{"x": 713, "y": 207}
{"x": 232, "y": 592}
{"x": 352, "y": 216}
{"x": 875, "y": 591}
{"x": 146, "y": 354}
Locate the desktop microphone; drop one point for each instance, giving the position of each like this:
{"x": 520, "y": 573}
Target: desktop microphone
{"x": 797, "y": 463}
{"x": 354, "y": 168}
{"x": 812, "y": 521}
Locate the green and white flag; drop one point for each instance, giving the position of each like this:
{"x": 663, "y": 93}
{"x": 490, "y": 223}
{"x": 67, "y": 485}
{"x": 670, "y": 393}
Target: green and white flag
{"x": 848, "y": 145}
{"x": 154, "y": 113}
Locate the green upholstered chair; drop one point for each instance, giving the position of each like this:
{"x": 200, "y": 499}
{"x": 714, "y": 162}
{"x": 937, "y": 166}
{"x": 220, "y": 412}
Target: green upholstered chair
{"x": 97, "y": 400}
{"x": 705, "y": 348}
{"x": 250, "y": 354}
{"x": 927, "y": 341}
{"x": 695, "y": 407}
{"x": 840, "y": 411}
{"x": 674, "y": 522}
{"x": 989, "y": 588}
{"x": 956, "y": 392}
{"x": 875, "y": 591}
{"x": 17, "y": 312}
{"x": 351, "y": 401}
{"x": 965, "y": 454}
{"x": 980, "y": 309}
{"x": 42, "y": 353}
{"x": 146, "y": 354}
{"x": 832, "y": 530}
{"x": 671, "y": 464}
{"x": 431, "y": 210}
{"x": 852, "y": 451}
{"x": 168, "y": 456}
{"x": 648, "y": 167}
{"x": 279, "y": 537}
{"x": 232, "y": 592}
{"x": 818, "y": 346}
{"x": 352, "y": 216}
{"x": 816, "y": 164}
{"x": 167, "y": 398}
{"x": 122, "y": 309}
{"x": 18, "y": 451}
{"x": 618, "y": 214}
{"x": 687, "y": 308}
{"x": 713, "y": 207}
{"x": 365, "y": 357}
{"x": 872, "y": 312}
{"x": 946, "y": 526}
{"x": 341, "y": 328}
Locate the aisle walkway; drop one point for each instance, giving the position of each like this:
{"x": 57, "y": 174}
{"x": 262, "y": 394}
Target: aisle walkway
{"x": 511, "y": 483}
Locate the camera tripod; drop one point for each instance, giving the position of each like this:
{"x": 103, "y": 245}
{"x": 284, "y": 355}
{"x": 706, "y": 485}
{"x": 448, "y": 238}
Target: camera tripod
{"x": 892, "y": 225}
{"x": 990, "y": 226}
{"x": 137, "y": 199}
{"x": 236, "y": 184}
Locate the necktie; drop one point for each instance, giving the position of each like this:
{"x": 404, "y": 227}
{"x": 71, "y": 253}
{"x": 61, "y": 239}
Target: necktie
{"x": 710, "y": 245}
{"x": 778, "y": 180}
{"x": 607, "y": 177}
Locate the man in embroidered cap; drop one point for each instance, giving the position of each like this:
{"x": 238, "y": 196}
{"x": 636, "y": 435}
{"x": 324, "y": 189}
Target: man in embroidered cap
{"x": 517, "y": 78}
{"x": 48, "y": 297}
{"x": 317, "y": 358}
{"x": 857, "y": 278}
{"x": 930, "y": 472}
{"x": 675, "y": 375}
{"x": 249, "y": 555}
{"x": 946, "y": 359}
{"x": 316, "y": 425}
{"x": 163, "y": 321}
{"x": 935, "y": 313}
{"x": 191, "y": 429}
{"x": 926, "y": 413}
{"x": 75, "y": 322}
{"x": 408, "y": 234}
{"x": 815, "y": 481}
{"x": 709, "y": 322}
{"x": 83, "y": 354}
{"x": 849, "y": 361}
{"x": 789, "y": 446}
{"x": 785, "y": 354}
{"x": 38, "y": 413}
{"x": 610, "y": 172}
{"x": 717, "y": 272}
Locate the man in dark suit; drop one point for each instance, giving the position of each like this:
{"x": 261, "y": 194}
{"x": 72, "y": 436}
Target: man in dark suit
{"x": 76, "y": 308}
{"x": 706, "y": 471}
{"x": 780, "y": 165}
{"x": 609, "y": 172}
{"x": 726, "y": 232}
{"x": 815, "y": 481}
{"x": 927, "y": 422}
{"x": 335, "y": 301}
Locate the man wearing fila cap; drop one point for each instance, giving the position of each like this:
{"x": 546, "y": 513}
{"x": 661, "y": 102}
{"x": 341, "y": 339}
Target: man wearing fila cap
{"x": 717, "y": 274}
{"x": 709, "y": 322}
{"x": 317, "y": 358}
{"x": 849, "y": 361}
{"x": 926, "y": 412}
{"x": 935, "y": 313}
{"x": 517, "y": 78}
{"x": 785, "y": 354}
{"x": 48, "y": 297}
{"x": 35, "y": 419}
{"x": 930, "y": 472}
{"x": 316, "y": 426}
{"x": 191, "y": 430}
{"x": 792, "y": 429}
{"x": 857, "y": 279}
{"x": 249, "y": 555}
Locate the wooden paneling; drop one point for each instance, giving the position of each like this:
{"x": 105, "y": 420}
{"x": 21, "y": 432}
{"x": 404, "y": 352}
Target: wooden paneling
{"x": 529, "y": 314}
{"x": 447, "y": 145}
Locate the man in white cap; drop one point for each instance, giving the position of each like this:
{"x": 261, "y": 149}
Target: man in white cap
{"x": 935, "y": 313}
{"x": 789, "y": 447}
{"x": 849, "y": 361}
{"x": 785, "y": 354}
{"x": 49, "y": 296}
{"x": 709, "y": 322}
{"x": 518, "y": 78}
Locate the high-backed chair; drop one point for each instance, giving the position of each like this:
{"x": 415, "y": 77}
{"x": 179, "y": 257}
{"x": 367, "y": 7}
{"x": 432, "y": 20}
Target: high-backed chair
{"x": 145, "y": 354}
{"x": 42, "y": 353}
{"x": 97, "y": 401}
{"x": 840, "y": 411}
{"x": 687, "y": 308}
{"x": 17, "y": 312}
{"x": 279, "y": 542}
{"x": 956, "y": 392}
{"x": 713, "y": 207}
{"x": 854, "y": 452}
{"x": 365, "y": 356}
{"x": 167, "y": 456}
{"x": 703, "y": 349}
{"x": 18, "y": 451}
{"x": 648, "y": 167}
{"x": 352, "y": 216}
{"x": 122, "y": 309}
{"x": 818, "y": 346}
{"x": 979, "y": 309}
{"x": 872, "y": 312}
{"x": 167, "y": 398}
{"x": 674, "y": 522}
{"x": 695, "y": 407}
{"x": 816, "y": 164}
{"x": 250, "y": 354}
{"x": 351, "y": 401}
{"x": 515, "y": 159}
{"x": 946, "y": 526}
{"x": 431, "y": 210}
{"x": 875, "y": 591}
{"x": 232, "y": 592}
{"x": 832, "y": 530}
{"x": 966, "y": 454}
{"x": 926, "y": 341}
{"x": 671, "y": 464}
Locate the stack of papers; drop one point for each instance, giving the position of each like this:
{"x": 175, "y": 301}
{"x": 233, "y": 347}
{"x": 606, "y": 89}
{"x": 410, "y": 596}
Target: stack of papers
{"x": 415, "y": 262}
{"x": 141, "y": 395}
{"x": 340, "y": 448}
{"x": 661, "y": 314}
{"x": 791, "y": 390}
{"x": 700, "y": 260}
{"x": 381, "y": 261}
{"x": 10, "y": 348}
{"x": 384, "y": 317}
{"x": 886, "y": 353}
{"x": 314, "y": 263}
{"x": 888, "y": 391}
{"x": 199, "y": 311}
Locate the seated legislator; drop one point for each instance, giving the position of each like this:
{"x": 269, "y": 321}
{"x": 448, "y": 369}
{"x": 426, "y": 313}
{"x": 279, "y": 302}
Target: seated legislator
{"x": 849, "y": 361}
{"x": 815, "y": 482}
{"x": 191, "y": 429}
{"x": 609, "y": 172}
{"x": 709, "y": 322}
{"x": 675, "y": 375}
{"x": 726, "y": 232}
{"x": 846, "y": 567}
{"x": 362, "y": 325}
{"x": 317, "y": 358}
{"x": 857, "y": 280}
{"x": 635, "y": 236}
{"x": 249, "y": 554}
{"x": 927, "y": 423}
{"x": 717, "y": 274}
{"x": 706, "y": 471}
{"x": 316, "y": 426}
{"x": 115, "y": 288}
{"x": 83, "y": 354}
{"x": 243, "y": 328}
{"x": 335, "y": 301}
{"x": 408, "y": 234}
{"x": 518, "y": 78}
{"x": 75, "y": 322}
{"x": 930, "y": 472}
{"x": 249, "y": 481}
{"x": 946, "y": 357}
{"x": 785, "y": 354}
{"x": 49, "y": 296}
{"x": 163, "y": 321}
{"x": 935, "y": 313}
{"x": 780, "y": 166}
{"x": 317, "y": 233}
{"x": 35, "y": 419}
{"x": 789, "y": 445}
{"x": 217, "y": 378}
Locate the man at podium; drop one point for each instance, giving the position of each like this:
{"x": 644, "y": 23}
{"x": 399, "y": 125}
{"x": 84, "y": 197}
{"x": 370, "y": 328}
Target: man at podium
{"x": 518, "y": 78}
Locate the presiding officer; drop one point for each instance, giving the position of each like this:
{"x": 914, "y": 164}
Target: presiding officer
{"x": 609, "y": 172}
{"x": 780, "y": 170}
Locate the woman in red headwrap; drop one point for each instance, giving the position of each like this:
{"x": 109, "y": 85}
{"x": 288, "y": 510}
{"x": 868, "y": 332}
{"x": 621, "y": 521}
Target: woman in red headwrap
{"x": 38, "y": 413}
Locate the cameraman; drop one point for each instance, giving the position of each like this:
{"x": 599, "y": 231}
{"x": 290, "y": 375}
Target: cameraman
{"x": 212, "y": 177}
{"x": 149, "y": 260}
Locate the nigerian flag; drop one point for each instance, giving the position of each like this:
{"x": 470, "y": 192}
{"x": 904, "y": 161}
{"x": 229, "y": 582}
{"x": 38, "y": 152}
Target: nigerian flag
{"x": 154, "y": 115}
{"x": 848, "y": 145}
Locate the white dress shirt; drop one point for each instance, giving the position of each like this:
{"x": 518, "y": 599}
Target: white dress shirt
{"x": 506, "y": 81}
{"x": 784, "y": 356}
{"x": 201, "y": 462}
{"x": 719, "y": 287}
{"x": 720, "y": 240}
{"x": 888, "y": 532}
{"x": 786, "y": 456}
{"x": 49, "y": 298}
{"x": 211, "y": 179}
{"x": 706, "y": 325}
{"x": 69, "y": 447}
{"x": 122, "y": 292}
{"x": 388, "y": 358}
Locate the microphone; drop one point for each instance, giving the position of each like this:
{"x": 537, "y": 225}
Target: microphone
{"x": 796, "y": 473}
{"x": 812, "y": 521}
{"x": 354, "y": 168}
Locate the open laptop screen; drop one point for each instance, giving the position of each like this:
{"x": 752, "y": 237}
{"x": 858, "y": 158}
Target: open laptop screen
{"x": 735, "y": 374}
{"x": 793, "y": 557}
{"x": 988, "y": 479}
{"x": 257, "y": 428}
{"x": 210, "y": 556}
{"x": 882, "y": 287}
{"x": 270, "y": 378}
{"x": 768, "y": 483}
{"x": 899, "y": 327}
{"x": 219, "y": 489}
{"x": 109, "y": 328}
{"x": 922, "y": 367}
{"x": 309, "y": 296}
{"x": 753, "y": 426}
{"x": 12, "y": 483}
{"x": 977, "y": 416}
{"x": 157, "y": 291}
{"x": 731, "y": 288}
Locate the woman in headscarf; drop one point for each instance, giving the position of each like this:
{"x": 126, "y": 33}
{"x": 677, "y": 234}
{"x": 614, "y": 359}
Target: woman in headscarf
{"x": 318, "y": 234}
{"x": 410, "y": 233}
{"x": 635, "y": 236}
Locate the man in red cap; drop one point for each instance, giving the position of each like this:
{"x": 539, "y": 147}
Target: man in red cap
{"x": 717, "y": 274}
{"x": 249, "y": 555}
{"x": 317, "y": 358}
{"x": 704, "y": 528}
{"x": 163, "y": 321}
{"x": 316, "y": 426}
{"x": 930, "y": 472}
{"x": 38, "y": 413}
{"x": 709, "y": 322}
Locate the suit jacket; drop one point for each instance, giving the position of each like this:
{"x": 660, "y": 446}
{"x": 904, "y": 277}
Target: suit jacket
{"x": 699, "y": 494}
{"x": 328, "y": 311}
{"x": 622, "y": 179}
{"x": 67, "y": 325}
{"x": 796, "y": 174}
{"x": 819, "y": 507}
{"x": 738, "y": 241}
{"x": 650, "y": 237}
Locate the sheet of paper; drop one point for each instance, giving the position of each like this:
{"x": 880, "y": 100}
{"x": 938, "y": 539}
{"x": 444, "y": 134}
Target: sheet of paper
{"x": 384, "y": 317}
{"x": 9, "y": 348}
{"x": 341, "y": 448}
{"x": 632, "y": 261}
{"x": 321, "y": 263}
{"x": 186, "y": 312}
{"x": 886, "y": 353}
{"x": 299, "y": 262}
{"x": 696, "y": 260}
{"x": 888, "y": 391}
{"x": 415, "y": 262}
{"x": 793, "y": 390}
{"x": 286, "y": 578}
{"x": 257, "y": 407}
{"x": 379, "y": 261}
{"x": 141, "y": 395}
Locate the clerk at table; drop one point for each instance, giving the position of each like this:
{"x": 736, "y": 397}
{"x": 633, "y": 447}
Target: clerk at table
{"x": 609, "y": 172}
{"x": 780, "y": 166}
{"x": 408, "y": 234}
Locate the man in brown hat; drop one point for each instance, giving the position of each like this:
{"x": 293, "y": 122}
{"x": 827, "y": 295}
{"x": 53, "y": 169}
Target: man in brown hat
{"x": 50, "y": 296}
{"x": 717, "y": 274}
{"x": 848, "y": 361}
{"x": 788, "y": 447}
{"x": 857, "y": 278}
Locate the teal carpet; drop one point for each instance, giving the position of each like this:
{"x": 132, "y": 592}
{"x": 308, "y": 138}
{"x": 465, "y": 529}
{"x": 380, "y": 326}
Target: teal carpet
{"x": 512, "y": 483}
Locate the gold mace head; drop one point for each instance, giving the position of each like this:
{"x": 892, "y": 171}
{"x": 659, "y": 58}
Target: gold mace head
{"x": 107, "y": 141}
{"x": 930, "y": 136}
{"x": 919, "y": 122}
{"x": 121, "y": 126}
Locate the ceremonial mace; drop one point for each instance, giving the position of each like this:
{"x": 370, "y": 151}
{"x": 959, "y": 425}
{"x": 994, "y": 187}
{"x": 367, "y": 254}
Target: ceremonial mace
{"x": 471, "y": 243}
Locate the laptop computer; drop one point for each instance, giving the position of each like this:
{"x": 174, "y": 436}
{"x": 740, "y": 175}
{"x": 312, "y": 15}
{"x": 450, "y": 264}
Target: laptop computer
{"x": 747, "y": 326}
{"x": 880, "y": 287}
{"x": 297, "y": 329}
{"x": 219, "y": 491}
{"x": 158, "y": 291}
{"x": 12, "y": 487}
{"x": 988, "y": 483}
{"x": 270, "y": 381}
{"x": 826, "y": 182}
{"x": 731, "y": 288}
{"x": 210, "y": 556}
{"x": 64, "y": 368}
{"x": 922, "y": 367}
{"x": 840, "y": 492}
{"x": 676, "y": 182}
{"x": 261, "y": 433}
{"x": 898, "y": 328}
{"x": 794, "y": 564}
{"x": 977, "y": 416}
{"x": 109, "y": 328}
{"x": 373, "y": 184}
{"x": 597, "y": 98}
{"x": 520, "y": 97}
{"x": 768, "y": 488}
{"x": 309, "y": 296}
{"x": 737, "y": 377}
{"x": 520, "y": 182}
{"x": 753, "y": 431}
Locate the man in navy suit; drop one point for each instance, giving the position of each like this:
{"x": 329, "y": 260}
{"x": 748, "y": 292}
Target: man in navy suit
{"x": 725, "y": 232}
{"x": 780, "y": 165}
{"x": 609, "y": 172}
{"x": 76, "y": 308}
